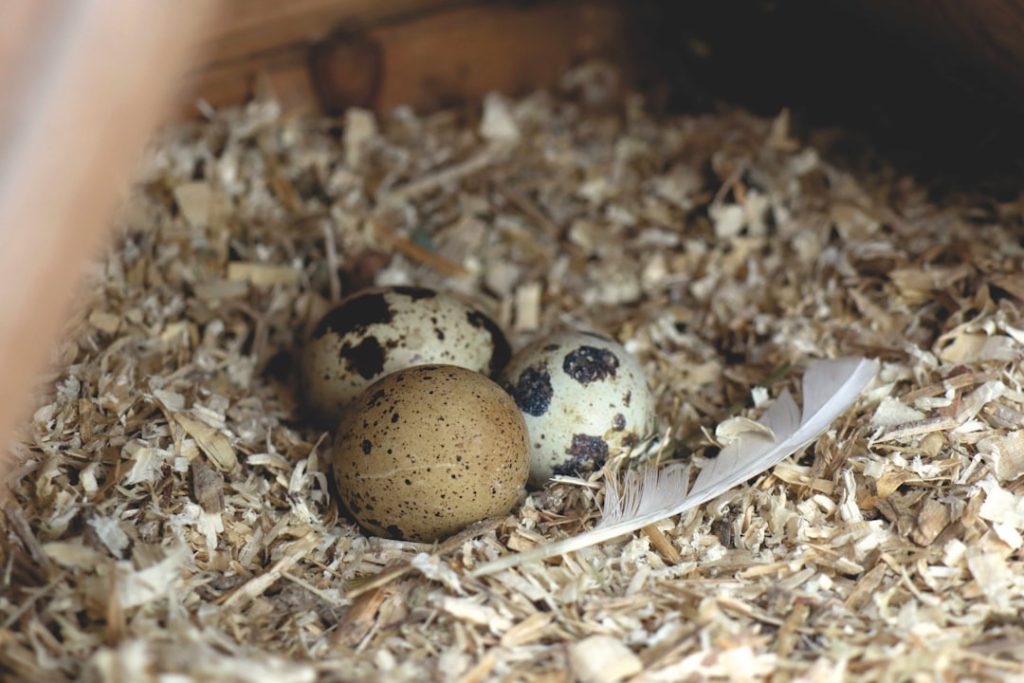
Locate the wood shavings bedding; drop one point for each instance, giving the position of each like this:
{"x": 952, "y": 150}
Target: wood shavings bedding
{"x": 171, "y": 516}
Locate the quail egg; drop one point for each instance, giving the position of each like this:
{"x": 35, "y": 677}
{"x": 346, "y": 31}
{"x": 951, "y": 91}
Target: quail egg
{"x": 378, "y": 331}
{"x": 429, "y": 450}
{"x": 583, "y": 397}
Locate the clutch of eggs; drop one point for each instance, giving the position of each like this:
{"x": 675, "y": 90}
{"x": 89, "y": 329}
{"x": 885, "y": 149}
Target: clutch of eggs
{"x": 426, "y": 443}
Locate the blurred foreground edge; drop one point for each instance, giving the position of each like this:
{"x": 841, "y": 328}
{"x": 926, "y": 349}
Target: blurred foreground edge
{"x": 82, "y": 85}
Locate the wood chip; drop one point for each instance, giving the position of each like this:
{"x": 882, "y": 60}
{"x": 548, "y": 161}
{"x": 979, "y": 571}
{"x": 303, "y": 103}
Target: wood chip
{"x": 255, "y": 587}
{"x": 207, "y": 487}
{"x": 788, "y": 631}
{"x": 527, "y": 631}
{"x": 105, "y": 322}
{"x": 359, "y": 619}
{"x": 662, "y": 544}
{"x": 865, "y": 587}
{"x": 1006, "y": 453}
{"x": 600, "y": 659}
{"x": 214, "y": 444}
{"x": 262, "y": 274}
{"x": 528, "y": 307}
{"x": 931, "y": 520}
{"x": 168, "y": 463}
{"x": 23, "y": 530}
{"x": 194, "y": 200}
{"x": 481, "y": 671}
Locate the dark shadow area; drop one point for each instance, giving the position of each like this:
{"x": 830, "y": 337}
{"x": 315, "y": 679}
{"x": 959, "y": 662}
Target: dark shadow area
{"x": 934, "y": 109}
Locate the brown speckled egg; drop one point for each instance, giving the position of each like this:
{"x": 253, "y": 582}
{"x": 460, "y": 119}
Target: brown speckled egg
{"x": 428, "y": 450}
{"x": 378, "y": 331}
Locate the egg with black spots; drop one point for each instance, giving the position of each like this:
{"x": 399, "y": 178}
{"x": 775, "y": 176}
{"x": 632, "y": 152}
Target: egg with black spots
{"x": 378, "y": 331}
{"x": 428, "y": 450}
{"x": 584, "y": 399}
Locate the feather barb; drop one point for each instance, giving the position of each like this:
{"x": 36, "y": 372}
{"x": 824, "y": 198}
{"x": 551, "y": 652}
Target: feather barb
{"x": 650, "y": 495}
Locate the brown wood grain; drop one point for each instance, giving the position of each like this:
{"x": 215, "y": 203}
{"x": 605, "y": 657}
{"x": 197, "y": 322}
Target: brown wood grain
{"x": 425, "y": 53}
{"x": 461, "y": 54}
{"x": 264, "y": 45}
{"x": 254, "y": 27}
{"x": 282, "y": 73}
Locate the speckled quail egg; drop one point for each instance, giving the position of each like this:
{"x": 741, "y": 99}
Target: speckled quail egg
{"x": 378, "y": 331}
{"x": 428, "y": 450}
{"x": 583, "y": 397}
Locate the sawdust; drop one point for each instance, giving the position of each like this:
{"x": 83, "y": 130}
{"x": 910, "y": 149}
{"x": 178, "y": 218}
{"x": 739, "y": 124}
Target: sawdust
{"x": 171, "y": 517}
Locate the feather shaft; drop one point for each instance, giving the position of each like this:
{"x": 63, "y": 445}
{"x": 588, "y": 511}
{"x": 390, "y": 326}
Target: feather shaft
{"x": 644, "y": 498}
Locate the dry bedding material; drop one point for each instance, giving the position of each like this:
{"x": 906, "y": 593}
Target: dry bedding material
{"x": 171, "y": 518}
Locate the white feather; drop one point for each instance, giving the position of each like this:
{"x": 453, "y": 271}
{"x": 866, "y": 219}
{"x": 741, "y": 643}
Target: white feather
{"x": 653, "y": 494}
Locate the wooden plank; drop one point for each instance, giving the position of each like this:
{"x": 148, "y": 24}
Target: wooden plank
{"x": 283, "y": 73}
{"x": 461, "y": 54}
{"x": 253, "y": 27}
{"x": 263, "y": 45}
{"x": 434, "y": 57}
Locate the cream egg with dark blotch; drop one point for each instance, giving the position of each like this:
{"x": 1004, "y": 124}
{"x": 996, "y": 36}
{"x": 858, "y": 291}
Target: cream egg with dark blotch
{"x": 378, "y": 331}
{"x": 584, "y": 399}
{"x": 429, "y": 450}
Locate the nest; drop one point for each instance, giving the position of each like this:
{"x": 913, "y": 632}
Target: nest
{"x": 171, "y": 518}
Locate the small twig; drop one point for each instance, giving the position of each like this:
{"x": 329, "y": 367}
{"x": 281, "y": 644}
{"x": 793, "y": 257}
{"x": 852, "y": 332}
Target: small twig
{"x": 417, "y": 253}
{"x": 787, "y": 635}
{"x": 529, "y": 209}
{"x": 256, "y": 586}
{"x": 27, "y": 605}
{"x": 730, "y": 181}
{"x": 960, "y": 381}
{"x": 23, "y": 530}
{"x": 390, "y": 574}
{"x": 333, "y": 602}
{"x": 995, "y": 663}
{"x": 918, "y": 427}
{"x": 446, "y": 175}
